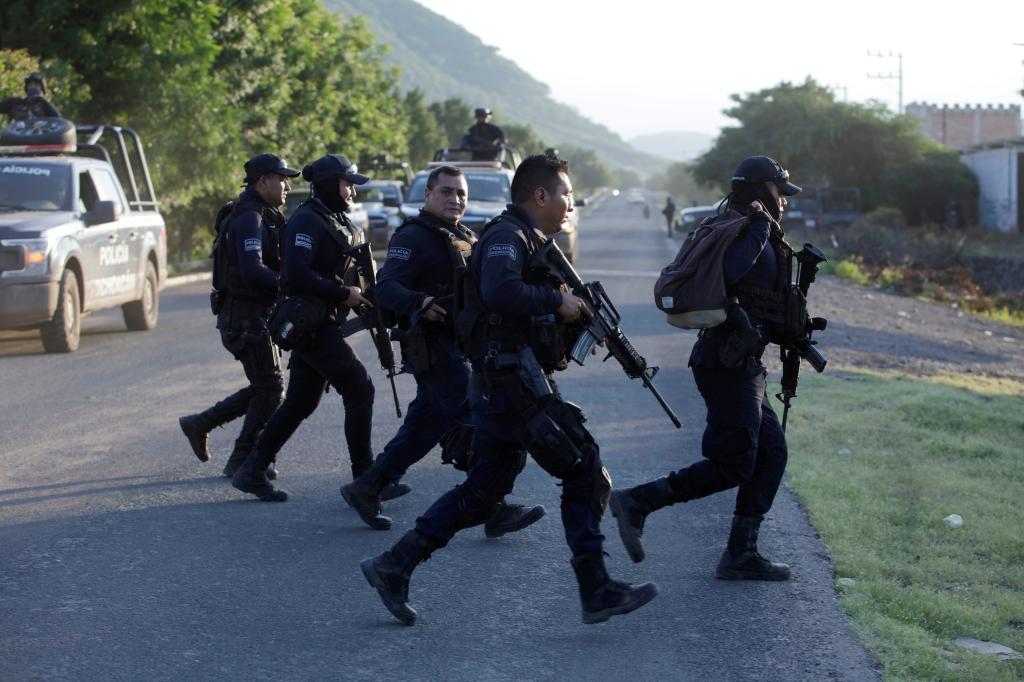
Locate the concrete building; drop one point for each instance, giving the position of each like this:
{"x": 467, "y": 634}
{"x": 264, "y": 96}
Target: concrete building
{"x": 999, "y": 167}
{"x": 961, "y": 127}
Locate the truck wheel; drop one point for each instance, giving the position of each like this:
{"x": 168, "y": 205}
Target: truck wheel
{"x": 61, "y": 334}
{"x": 141, "y": 315}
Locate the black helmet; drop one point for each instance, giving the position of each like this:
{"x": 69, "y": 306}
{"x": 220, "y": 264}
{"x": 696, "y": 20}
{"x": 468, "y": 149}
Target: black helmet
{"x": 35, "y": 78}
{"x": 481, "y": 111}
{"x": 333, "y": 166}
{"x": 756, "y": 169}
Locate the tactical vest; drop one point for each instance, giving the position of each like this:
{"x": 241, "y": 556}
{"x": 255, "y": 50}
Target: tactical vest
{"x": 772, "y": 306}
{"x": 345, "y": 235}
{"x": 227, "y": 277}
{"x": 483, "y": 335}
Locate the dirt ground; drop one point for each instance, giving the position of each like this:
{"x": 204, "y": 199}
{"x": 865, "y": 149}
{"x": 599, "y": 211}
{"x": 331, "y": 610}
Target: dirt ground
{"x": 870, "y": 329}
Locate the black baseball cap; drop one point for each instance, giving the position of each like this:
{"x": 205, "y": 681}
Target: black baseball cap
{"x": 334, "y": 166}
{"x": 261, "y": 164}
{"x": 765, "y": 169}
{"x": 481, "y": 111}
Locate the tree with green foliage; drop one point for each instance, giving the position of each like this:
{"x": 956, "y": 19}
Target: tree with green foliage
{"x": 588, "y": 171}
{"x": 208, "y": 84}
{"x": 425, "y": 133}
{"x": 454, "y": 117}
{"x": 524, "y": 138}
{"x": 825, "y": 142}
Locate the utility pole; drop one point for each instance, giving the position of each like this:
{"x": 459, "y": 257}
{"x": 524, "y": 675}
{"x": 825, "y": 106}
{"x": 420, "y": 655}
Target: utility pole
{"x": 898, "y": 76}
{"x": 1020, "y": 45}
{"x": 835, "y": 87}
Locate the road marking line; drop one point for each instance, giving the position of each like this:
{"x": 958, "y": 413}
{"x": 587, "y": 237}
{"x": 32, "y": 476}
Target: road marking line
{"x": 646, "y": 274}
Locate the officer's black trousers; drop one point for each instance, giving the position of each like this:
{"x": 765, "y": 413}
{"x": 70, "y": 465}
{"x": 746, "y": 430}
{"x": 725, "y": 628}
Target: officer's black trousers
{"x": 743, "y": 443}
{"x": 251, "y": 346}
{"x": 330, "y": 361}
{"x": 499, "y": 460}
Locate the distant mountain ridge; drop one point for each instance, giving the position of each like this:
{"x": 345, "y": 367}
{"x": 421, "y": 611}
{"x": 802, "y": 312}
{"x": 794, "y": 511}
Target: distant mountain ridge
{"x": 445, "y": 60}
{"x": 676, "y": 145}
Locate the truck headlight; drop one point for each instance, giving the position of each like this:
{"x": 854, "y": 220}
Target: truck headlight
{"x": 35, "y": 255}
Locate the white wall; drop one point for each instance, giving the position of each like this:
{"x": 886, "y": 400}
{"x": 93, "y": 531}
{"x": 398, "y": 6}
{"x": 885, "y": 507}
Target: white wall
{"x": 996, "y": 170}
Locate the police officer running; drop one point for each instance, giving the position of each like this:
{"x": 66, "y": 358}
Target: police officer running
{"x": 417, "y": 283}
{"x": 515, "y": 405}
{"x": 33, "y": 105}
{"x": 743, "y": 444}
{"x": 246, "y": 263}
{"x": 315, "y": 260}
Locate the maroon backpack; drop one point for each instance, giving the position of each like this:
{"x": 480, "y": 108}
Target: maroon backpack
{"x": 691, "y": 289}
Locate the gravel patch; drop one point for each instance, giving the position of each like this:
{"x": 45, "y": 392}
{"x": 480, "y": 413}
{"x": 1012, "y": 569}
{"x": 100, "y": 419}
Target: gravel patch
{"x": 871, "y": 329}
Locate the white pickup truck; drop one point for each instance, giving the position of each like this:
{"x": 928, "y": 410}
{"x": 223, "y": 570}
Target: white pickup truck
{"x": 80, "y": 230}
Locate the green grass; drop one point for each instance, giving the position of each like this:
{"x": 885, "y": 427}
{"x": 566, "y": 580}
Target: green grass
{"x": 920, "y": 450}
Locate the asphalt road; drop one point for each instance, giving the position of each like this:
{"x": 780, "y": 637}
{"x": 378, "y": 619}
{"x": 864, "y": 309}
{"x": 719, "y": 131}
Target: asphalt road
{"x": 123, "y": 558}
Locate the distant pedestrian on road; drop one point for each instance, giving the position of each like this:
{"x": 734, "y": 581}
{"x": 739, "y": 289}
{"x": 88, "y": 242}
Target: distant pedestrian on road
{"x": 744, "y": 446}
{"x": 670, "y": 214}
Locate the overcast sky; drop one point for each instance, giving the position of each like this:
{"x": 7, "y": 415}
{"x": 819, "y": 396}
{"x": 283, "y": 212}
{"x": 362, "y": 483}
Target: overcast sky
{"x": 647, "y": 66}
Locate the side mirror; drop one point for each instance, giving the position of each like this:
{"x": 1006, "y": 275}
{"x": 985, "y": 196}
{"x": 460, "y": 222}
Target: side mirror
{"x": 581, "y": 201}
{"x": 103, "y": 212}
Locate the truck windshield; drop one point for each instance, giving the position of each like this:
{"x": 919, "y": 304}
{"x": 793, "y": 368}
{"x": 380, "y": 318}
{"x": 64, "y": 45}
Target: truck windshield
{"x": 489, "y": 187}
{"x": 26, "y": 186}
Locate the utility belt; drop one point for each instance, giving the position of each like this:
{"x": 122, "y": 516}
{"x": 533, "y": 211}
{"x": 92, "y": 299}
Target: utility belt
{"x": 551, "y": 429}
{"x": 546, "y": 335}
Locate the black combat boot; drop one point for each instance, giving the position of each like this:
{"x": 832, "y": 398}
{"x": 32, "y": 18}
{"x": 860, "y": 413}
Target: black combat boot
{"x": 197, "y": 429}
{"x": 508, "y": 518}
{"x": 741, "y": 560}
{"x": 251, "y": 477}
{"x": 390, "y": 572}
{"x": 363, "y": 495}
{"x": 630, "y": 508}
{"x": 603, "y": 597}
{"x": 394, "y": 489}
{"x": 238, "y": 455}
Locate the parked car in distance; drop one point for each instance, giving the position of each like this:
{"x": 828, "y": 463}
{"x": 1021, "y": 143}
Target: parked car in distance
{"x": 382, "y": 200}
{"x": 79, "y": 233}
{"x": 690, "y": 218}
{"x": 803, "y": 210}
{"x": 840, "y": 207}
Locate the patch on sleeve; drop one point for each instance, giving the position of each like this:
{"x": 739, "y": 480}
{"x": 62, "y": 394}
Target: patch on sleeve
{"x": 253, "y": 244}
{"x": 399, "y": 253}
{"x": 304, "y": 240}
{"x": 502, "y": 251}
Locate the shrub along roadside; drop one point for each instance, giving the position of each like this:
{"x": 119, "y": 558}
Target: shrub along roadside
{"x": 879, "y": 460}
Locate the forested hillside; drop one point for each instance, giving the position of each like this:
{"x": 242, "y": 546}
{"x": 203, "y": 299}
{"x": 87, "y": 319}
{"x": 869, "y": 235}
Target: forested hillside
{"x": 444, "y": 60}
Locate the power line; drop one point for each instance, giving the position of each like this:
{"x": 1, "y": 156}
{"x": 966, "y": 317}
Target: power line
{"x": 898, "y": 76}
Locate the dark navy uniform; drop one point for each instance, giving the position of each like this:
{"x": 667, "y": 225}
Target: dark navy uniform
{"x": 420, "y": 265}
{"x": 500, "y": 267}
{"x": 314, "y": 263}
{"x": 743, "y": 442}
{"x": 743, "y": 445}
{"x": 25, "y": 108}
{"x": 249, "y": 239}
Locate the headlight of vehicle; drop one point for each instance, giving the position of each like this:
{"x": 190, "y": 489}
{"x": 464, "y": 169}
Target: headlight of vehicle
{"x": 394, "y": 220}
{"x": 688, "y": 218}
{"x": 35, "y": 255}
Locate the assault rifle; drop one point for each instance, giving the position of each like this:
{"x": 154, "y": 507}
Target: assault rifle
{"x": 601, "y": 325}
{"x": 371, "y": 318}
{"x": 807, "y": 261}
